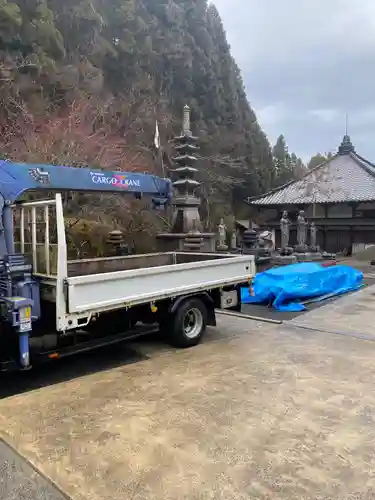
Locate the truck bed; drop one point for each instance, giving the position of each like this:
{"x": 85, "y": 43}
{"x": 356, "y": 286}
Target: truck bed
{"x": 84, "y": 267}
{"x": 102, "y": 284}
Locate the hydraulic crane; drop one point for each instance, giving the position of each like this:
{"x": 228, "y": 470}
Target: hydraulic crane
{"x": 18, "y": 178}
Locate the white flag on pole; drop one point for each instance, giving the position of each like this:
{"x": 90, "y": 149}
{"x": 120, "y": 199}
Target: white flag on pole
{"x": 157, "y": 136}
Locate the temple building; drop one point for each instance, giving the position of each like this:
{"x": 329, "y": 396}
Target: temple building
{"x": 338, "y": 195}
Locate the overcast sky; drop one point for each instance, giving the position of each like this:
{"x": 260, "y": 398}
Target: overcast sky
{"x": 306, "y": 64}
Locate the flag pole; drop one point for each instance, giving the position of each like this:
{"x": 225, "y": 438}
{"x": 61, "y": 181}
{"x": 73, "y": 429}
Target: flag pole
{"x": 159, "y": 148}
{"x": 161, "y": 161}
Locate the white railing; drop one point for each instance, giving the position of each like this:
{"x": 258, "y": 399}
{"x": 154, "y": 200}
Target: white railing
{"x": 36, "y": 233}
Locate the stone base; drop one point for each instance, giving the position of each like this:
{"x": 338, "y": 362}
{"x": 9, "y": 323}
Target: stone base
{"x": 257, "y": 252}
{"x": 283, "y": 260}
{"x": 308, "y": 257}
{"x": 327, "y": 256}
{"x": 186, "y": 242}
{"x": 315, "y": 249}
{"x": 286, "y": 251}
{"x": 302, "y": 249}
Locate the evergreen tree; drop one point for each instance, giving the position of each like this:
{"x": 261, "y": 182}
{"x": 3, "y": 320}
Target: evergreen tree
{"x": 318, "y": 159}
{"x": 287, "y": 166}
{"x": 163, "y": 53}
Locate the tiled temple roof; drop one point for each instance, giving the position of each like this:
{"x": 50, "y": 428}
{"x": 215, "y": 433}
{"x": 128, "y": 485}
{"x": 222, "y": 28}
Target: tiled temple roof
{"x": 346, "y": 177}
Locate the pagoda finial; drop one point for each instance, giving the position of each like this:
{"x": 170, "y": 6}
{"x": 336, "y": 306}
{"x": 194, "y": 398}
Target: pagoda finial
{"x": 346, "y": 146}
{"x": 186, "y": 122}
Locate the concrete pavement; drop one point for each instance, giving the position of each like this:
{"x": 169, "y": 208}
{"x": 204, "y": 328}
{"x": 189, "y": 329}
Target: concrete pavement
{"x": 352, "y": 315}
{"x": 258, "y": 411}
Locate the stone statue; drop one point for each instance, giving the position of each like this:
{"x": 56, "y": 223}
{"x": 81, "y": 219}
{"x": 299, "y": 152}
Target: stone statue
{"x": 313, "y": 234}
{"x": 222, "y": 231}
{"x": 265, "y": 240}
{"x": 301, "y": 229}
{"x": 285, "y": 230}
{"x": 233, "y": 242}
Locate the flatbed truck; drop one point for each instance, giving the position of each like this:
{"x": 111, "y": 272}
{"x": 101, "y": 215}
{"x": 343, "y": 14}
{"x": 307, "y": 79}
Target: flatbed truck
{"x": 51, "y": 307}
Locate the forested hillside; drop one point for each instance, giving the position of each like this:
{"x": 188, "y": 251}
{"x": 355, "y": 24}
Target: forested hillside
{"x": 82, "y": 82}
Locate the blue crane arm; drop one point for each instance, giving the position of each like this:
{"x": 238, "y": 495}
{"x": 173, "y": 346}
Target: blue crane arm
{"x": 17, "y": 178}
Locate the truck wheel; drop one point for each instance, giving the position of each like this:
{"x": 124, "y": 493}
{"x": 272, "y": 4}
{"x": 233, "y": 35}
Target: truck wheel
{"x": 188, "y": 324}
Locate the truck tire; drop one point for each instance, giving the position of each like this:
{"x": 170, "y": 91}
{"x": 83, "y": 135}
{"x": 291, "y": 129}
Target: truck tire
{"x": 188, "y": 324}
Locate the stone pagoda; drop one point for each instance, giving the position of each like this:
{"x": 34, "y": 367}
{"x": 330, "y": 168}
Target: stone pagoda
{"x": 186, "y": 228}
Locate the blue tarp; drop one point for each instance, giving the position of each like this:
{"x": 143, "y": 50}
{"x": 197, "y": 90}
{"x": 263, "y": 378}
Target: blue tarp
{"x": 287, "y": 286}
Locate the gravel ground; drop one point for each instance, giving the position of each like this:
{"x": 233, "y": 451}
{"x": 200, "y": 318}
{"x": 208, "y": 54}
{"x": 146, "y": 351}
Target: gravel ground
{"x": 19, "y": 481}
